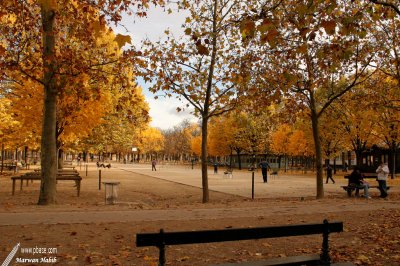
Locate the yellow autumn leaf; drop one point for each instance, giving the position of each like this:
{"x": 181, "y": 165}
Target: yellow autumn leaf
{"x": 12, "y": 18}
{"x": 74, "y": 3}
{"x": 121, "y": 40}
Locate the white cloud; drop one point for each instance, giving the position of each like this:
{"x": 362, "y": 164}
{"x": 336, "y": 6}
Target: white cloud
{"x": 163, "y": 110}
{"x": 164, "y": 114}
{"x": 153, "y": 25}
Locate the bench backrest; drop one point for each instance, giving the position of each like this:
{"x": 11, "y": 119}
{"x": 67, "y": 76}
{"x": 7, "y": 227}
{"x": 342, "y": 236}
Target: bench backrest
{"x": 37, "y": 176}
{"x": 365, "y": 175}
{"x": 162, "y": 238}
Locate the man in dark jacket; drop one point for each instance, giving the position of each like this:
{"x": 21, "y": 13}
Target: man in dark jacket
{"x": 356, "y": 180}
{"x": 329, "y": 174}
{"x": 264, "y": 168}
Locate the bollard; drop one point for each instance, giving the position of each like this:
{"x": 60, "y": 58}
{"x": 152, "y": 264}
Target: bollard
{"x": 252, "y": 185}
{"x": 86, "y": 169}
{"x": 99, "y": 179}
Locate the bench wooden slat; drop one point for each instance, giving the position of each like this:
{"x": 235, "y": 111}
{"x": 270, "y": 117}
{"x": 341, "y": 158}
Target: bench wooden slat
{"x": 365, "y": 175}
{"x": 208, "y": 236}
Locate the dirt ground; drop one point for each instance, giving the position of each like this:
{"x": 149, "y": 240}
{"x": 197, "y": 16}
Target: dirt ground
{"x": 371, "y": 235}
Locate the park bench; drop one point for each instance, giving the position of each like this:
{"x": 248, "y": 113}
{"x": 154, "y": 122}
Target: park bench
{"x": 10, "y": 166}
{"x": 74, "y": 176}
{"x": 350, "y": 187}
{"x": 228, "y": 173}
{"x": 163, "y": 239}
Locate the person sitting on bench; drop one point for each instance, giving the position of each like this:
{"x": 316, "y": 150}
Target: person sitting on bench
{"x": 103, "y": 165}
{"x": 356, "y": 180}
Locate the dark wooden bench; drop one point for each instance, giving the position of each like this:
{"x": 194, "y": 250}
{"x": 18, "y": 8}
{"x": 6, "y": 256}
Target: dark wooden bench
{"x": 163, "y": 239}
{"x": 10, "y": 167}
{"x": 74, "y": 176}
{"x": 352, "y": 187}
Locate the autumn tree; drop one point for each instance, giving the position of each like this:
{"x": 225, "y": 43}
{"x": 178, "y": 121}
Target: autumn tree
{"x": 356, "y": 121}
{"x": 152, "y": 141}
{"x": 384, "y": 95}
{"x": 196, "y": 145}
{"x": 178, "y": 140}
{"x": 121, "y": 126}
{"x": 385, "y": 18}
{"x": 33, "y": 49}
{"x": 8, "y": 127}
{"x": 199, "y": 66}
{"x": 331, "y": 135}
{"x": 301, "y": 145}
{"x": 280, "y": 140}
{"x": 308, "y": 48}
{"x": 220, "y": 135}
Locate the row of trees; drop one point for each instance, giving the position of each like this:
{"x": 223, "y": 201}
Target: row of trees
{"x": 309, "y": 54}
{"x": 364, "y": 117}
{"x": 304, "y": 56}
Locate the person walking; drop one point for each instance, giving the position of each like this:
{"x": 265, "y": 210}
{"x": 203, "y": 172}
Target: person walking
{"x": 329, "y": 174}
{"x": 216, "y": 167}
{"x": 153, "y": 165}
{"x": 264, "y": 170}
{"x": 383, "y": 173}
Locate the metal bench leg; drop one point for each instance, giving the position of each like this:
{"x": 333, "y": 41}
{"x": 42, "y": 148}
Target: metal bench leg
{"x": 325, "y": 258}
{"x": 161, "y": 247}
{"x": 78, "y": 187}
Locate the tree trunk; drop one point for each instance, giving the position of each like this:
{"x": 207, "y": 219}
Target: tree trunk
{"x": 358, "y": 157}
{"x": 231, "y": 158}
{"x": 206, "y": 108}
{"x": 318, "y": 153}
{"x": 48, "y": 143}
{"x": 2, "y": 157}
{"x": 204, "y": 172}
{"x": 393, "y": 171}
{"x": 279, "y": 162}
{"x": 334, "y": 165}
{"x": 239, "y": 159}
{"x": 60, "y": 162}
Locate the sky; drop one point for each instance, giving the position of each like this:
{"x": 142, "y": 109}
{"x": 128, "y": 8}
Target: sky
{"x": 163, "y": 110}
